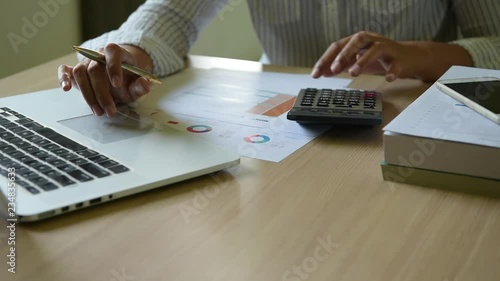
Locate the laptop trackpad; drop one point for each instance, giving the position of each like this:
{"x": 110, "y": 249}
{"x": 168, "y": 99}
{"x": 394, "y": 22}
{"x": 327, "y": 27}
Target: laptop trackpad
{"x": 107, "y": 130}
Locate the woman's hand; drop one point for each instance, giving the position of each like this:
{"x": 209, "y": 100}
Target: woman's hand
{"x": 374, "y": 53}
{"x": 104, "y": 85}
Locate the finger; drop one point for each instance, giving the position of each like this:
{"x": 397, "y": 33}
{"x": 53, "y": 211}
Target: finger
{"x": 330, "y": 74}
{"x": 64, "y": 74}
{"x": 322, "y": 66}
{"x": 115, "y": 55}
{"x": 347, "y": 55}
{"x": 395, "y": 71}
{"x": 82, "y": 80}
{"x": 139, "y": 88}
{"x": 369, "y": 57}
{"x": 375, "y": 68}
{"x": 120, "y": 95}
{"x": 381, "y": 67}
{"x": 100, "y": 84}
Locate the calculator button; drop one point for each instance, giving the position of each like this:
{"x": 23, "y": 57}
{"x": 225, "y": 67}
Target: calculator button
{"x": 337, "y": 106}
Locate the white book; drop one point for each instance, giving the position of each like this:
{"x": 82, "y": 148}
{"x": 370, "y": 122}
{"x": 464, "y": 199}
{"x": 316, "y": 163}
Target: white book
{"x": 442, "y": 155}
{"x": 442, "y": 180}
{"x": 437, "y": 132}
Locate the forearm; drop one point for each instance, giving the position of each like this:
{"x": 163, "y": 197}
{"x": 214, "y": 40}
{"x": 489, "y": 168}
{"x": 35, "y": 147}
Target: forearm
{"x": 164, "y": 29}
{"x": 433, "y": 59}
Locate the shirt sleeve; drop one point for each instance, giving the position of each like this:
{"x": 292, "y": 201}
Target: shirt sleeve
{"x": 165, "y": 29}
{"x": 479, "y": 22}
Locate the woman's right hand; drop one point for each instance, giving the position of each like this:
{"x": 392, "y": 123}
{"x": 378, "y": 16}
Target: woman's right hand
{"x": 103, "y": 86}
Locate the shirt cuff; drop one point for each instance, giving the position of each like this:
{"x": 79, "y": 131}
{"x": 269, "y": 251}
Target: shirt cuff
{"x": 165, "y": 60}
{"x": 485, "y": 51}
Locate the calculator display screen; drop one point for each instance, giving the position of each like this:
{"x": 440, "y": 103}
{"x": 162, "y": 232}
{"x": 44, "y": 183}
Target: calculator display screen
{"x": 484, "y": 93}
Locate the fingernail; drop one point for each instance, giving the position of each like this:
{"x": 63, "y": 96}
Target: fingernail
{"x": 110, "y": 111}
{"x": 336, "y": 67}
{"x": 97, "y": 110}
{"x": 315, "y": 72}
{"x": 64, "y": 85}
{"x": 354, "y": 70}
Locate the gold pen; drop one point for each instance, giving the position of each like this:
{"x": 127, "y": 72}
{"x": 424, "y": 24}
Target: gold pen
{"x": 100, "y": 58}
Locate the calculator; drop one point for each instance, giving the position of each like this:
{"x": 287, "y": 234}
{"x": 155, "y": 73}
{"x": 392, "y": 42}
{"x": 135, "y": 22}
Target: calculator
{"x": 329, "y": 106}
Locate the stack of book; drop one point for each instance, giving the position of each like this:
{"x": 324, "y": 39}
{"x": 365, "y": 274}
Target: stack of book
{"x": 438, "y": 142}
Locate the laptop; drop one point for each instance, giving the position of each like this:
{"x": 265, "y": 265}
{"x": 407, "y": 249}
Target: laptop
{"x": 58, "y": 157}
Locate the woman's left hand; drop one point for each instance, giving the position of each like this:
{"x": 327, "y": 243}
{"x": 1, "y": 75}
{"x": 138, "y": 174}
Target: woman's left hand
{"x": 372, "y": 53}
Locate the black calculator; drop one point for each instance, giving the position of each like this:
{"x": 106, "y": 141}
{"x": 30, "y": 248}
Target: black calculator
{"x": 329, "y": 106}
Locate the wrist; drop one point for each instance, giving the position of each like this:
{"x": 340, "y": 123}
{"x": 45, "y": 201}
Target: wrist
{"x": 432, "y": 59}
{"x": 422, "y": 60}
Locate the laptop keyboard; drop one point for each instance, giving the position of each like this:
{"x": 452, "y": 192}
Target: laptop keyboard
{"x": 45, "y": 160}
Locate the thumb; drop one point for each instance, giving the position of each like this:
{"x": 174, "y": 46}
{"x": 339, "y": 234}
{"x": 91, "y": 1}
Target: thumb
{"x": 65, "y": 74}
{"x": 139, "y": 87}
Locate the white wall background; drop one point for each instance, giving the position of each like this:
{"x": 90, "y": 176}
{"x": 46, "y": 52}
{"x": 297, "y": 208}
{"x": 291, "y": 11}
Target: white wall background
{"x": 230, "y": 34}
{"x": 33, "y": 33}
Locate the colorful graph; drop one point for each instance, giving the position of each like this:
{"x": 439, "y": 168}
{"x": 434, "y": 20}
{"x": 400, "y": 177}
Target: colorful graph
{"x": 274, "y": 104}
{"x": 257, "y": 139}
{"x": 199, "y": 129}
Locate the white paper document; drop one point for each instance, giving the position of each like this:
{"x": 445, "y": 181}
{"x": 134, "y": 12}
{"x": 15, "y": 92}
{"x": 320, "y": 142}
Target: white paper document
{"x": 439, "y": 116}
{"x": 240, "y": 111}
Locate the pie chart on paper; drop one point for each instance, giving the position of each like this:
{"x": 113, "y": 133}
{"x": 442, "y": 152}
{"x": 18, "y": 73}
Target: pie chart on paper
{"x": 198, "y": 129}
{"x": 257, "y": 139}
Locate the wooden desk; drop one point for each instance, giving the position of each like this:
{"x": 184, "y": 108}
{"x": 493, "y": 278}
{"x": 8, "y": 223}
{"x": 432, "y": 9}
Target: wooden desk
{"x": 324, "y": 213}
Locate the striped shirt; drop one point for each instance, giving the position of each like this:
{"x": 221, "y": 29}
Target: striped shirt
{"x": 297, "y": 32}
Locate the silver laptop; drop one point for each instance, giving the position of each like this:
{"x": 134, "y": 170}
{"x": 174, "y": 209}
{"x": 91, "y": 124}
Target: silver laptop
{"x": 64, "y": 158}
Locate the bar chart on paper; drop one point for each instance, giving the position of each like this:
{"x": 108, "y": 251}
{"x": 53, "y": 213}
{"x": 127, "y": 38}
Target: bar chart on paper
{"x": 244, "y": 114}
